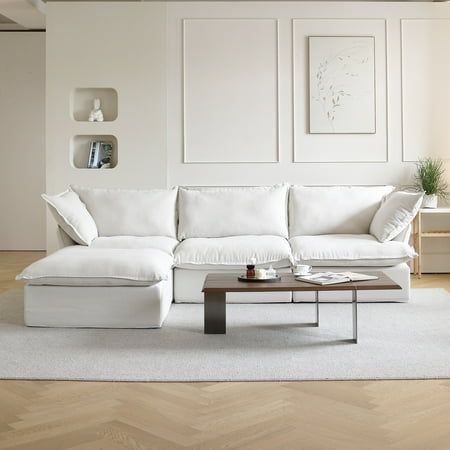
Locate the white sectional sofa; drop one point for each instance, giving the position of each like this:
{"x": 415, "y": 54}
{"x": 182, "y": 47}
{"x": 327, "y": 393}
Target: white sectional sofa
{"x": 133, "y": 252}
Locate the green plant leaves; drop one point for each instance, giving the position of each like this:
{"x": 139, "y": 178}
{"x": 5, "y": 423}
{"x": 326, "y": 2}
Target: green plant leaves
{"x": 429, "y": 177}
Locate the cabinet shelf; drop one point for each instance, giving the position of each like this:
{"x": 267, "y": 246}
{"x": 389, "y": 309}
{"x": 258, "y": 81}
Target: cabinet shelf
{"x": 418, "y": 234}
{"x": 437, "y": 234}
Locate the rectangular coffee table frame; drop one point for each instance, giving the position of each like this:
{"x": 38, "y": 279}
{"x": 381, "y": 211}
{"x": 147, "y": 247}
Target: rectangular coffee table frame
{"x": 216, "y": 287}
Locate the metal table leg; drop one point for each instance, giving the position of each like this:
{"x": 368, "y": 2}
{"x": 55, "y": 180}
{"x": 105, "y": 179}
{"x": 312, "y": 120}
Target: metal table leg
{"x": 316, "y": 324}
{"x": 355, "y": 315}
{"x": 215, "y": 313}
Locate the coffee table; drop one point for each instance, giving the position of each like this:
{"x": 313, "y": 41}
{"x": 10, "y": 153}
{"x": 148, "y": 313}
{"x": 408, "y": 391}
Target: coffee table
{"x": 216, "y": 287}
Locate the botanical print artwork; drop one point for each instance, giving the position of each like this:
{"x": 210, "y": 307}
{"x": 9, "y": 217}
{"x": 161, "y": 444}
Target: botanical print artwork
{"x": 342, "y": 84}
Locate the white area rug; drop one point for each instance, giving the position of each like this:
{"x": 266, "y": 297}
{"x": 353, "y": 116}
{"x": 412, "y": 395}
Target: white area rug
{"x": 264, "y": 342}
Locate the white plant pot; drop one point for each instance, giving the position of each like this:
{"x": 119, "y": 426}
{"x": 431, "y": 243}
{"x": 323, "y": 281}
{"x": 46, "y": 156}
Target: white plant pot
{"x": 430, "y": 201}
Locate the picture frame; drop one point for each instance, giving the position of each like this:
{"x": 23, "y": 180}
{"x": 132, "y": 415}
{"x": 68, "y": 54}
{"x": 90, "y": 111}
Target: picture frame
{"x": 342, "y": 92}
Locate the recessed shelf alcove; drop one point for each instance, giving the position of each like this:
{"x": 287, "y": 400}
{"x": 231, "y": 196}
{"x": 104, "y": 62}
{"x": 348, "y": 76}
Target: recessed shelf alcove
{"x": 80, "y": 149}
{"x": 83, "y": 100}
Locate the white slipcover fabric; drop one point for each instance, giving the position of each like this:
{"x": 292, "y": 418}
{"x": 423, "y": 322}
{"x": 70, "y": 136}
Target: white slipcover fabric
{"x": 127, "y": 212}
{"x": 188, "y": 285}
{"x": 72, "y": 216}
{"x": 163, "y": 243}
{"x": 315, "y": 210}
{"x": 232, "y": 252}
{"x": 395, "y": 213}
{"x": 98, "y": 306}
{"x": 349, "y": 250}
{"x": 84, "y": 266}
{"x": 232, "y": 211}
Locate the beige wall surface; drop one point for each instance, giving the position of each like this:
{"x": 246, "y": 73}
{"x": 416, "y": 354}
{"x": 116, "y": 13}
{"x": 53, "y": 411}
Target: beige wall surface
{"x": 114, "y": 45}
{"x": 22, "y": 141}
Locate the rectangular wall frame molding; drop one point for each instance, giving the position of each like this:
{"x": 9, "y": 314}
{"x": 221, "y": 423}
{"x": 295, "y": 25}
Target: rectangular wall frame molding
{"x": 337, "y": 148}
{"x": 230, "y": 90}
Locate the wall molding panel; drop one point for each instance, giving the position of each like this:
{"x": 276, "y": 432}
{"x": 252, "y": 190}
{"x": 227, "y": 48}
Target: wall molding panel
{"x": 335, "y": 148}
{"x": 230, "y": 90}
{"x": 425, "y": 93}
{"x": 302, "y": 157}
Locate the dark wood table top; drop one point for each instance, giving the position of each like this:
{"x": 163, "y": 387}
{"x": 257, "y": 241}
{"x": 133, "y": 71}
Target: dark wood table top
{"x": 228, "y": 282}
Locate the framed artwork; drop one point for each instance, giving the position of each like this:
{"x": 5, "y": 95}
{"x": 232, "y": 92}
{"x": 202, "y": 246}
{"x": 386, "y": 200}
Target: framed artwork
{"x": 342, "y": 85}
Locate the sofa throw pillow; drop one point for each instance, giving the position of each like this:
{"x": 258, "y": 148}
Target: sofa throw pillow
{"x": 72, "y": 216}
{"x": 395, "y": 214}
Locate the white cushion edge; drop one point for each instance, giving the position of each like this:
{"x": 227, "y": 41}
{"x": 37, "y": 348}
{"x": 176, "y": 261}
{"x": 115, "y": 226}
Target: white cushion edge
{"x": 23, "y": 276}
{"x": 277, "y": 264}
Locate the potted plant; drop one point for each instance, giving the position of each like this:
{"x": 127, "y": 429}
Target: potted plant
{"x": 429, "y": 178}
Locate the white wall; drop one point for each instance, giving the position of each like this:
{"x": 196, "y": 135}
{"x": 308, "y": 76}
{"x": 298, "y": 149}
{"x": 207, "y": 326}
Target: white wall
{"x": 216, "y": 93}
{"x": 303, "y": 158}
{"x": 22, "y": 143}
{"x": 426, "y": 112}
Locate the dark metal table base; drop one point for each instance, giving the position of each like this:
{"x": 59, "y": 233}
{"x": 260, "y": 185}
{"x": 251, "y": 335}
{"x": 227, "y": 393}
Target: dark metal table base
{"x": 216, "y": 314}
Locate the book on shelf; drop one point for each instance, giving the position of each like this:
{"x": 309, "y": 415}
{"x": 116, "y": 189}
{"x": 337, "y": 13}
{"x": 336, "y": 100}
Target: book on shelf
{"x": 324, "y": 278}
{"x": 100, "y": 154}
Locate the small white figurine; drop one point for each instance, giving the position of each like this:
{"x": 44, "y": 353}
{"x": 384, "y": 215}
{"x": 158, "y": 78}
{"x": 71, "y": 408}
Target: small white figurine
{"x": 96, "y": 114}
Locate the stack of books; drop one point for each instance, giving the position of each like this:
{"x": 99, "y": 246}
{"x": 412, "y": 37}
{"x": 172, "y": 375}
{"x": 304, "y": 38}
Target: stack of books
{"x": 100, "y": 155}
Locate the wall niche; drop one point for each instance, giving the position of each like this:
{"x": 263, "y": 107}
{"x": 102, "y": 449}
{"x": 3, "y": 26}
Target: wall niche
{"x": 83, "y": 100}
{"x": 80, "y": 148}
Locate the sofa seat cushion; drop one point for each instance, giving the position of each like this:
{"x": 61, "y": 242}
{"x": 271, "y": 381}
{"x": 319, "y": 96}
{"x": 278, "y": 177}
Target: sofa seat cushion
{"x": 84, "y": 266}
{"x": 232, "y": 252}
{"x": 349, "y": 250}
{"x": 163, "y": 243}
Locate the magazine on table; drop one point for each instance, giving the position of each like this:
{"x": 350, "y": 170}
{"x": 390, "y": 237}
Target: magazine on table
{"x": 324, "y": 278}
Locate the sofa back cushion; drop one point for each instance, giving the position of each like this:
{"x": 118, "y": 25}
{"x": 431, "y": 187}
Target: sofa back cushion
{"x": 315, "y": 210}
{"x": 232, "y": 211}
{"x": 127, "y": 212}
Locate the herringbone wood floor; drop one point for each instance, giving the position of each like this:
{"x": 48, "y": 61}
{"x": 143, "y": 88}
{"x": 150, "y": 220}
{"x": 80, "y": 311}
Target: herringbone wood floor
{"x": 42, "y": 415}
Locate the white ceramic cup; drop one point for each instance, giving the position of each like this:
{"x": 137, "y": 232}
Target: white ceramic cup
{"x": 301, "y": 269}
{"x": 260, "y": 274}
